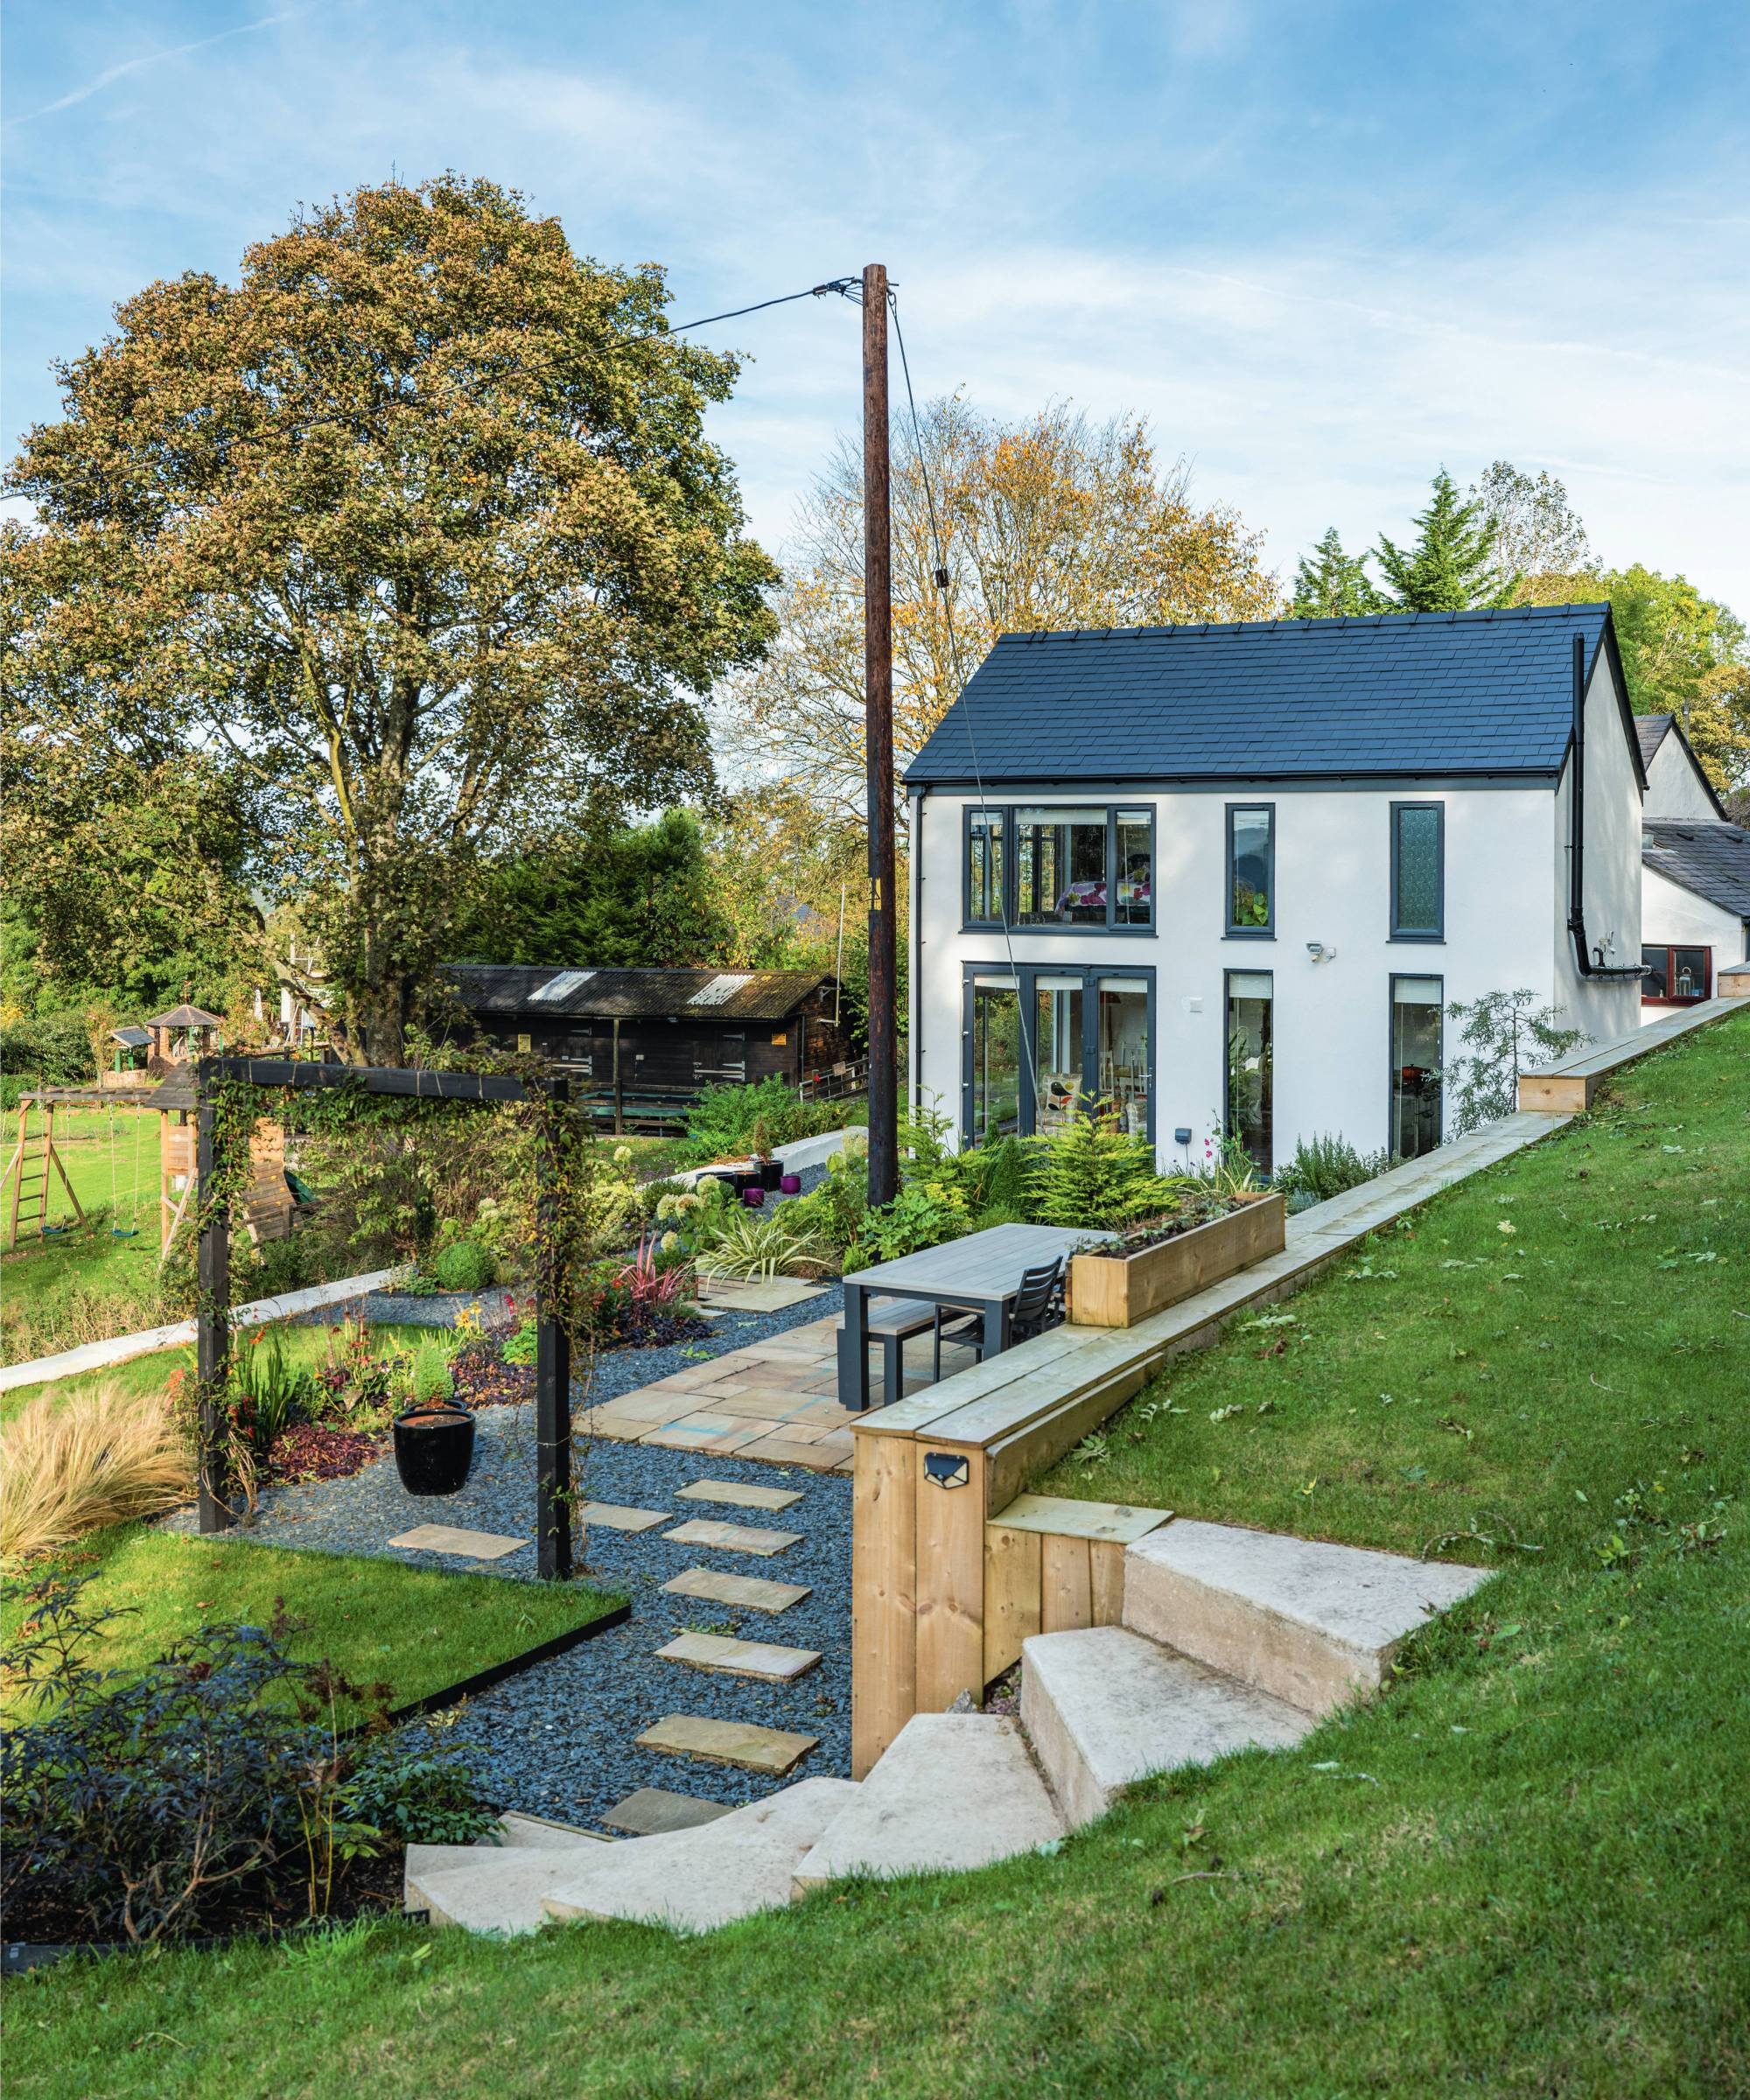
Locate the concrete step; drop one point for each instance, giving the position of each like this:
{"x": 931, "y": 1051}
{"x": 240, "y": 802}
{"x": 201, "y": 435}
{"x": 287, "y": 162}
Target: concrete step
{"x": 694, "y": 1880}
{"x": 515, "y": 1833}
{"x": 494, "y": 1891}
{"x": 951, "y": 1791}
{"x": 1310, "y": 1623}
{"x": 1104, "y": 1708}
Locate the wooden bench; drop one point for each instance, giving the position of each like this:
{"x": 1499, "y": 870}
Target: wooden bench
{"x": 892, "y": 1325}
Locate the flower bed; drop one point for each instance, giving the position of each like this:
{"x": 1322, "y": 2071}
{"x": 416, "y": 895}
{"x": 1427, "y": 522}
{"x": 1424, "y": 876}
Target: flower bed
{"x": 1167, "y": 1261}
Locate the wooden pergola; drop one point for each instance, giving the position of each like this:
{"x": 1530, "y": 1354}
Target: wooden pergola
{"x": 553, "y": 1494}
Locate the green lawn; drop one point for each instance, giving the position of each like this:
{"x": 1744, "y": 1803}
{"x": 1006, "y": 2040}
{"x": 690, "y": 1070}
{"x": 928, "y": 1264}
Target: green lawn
{"x": 414, "y": 1629}
{"x": 1523, "y": 1872}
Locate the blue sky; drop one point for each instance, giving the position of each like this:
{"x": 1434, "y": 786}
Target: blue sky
{"x": 1325, "y": 247}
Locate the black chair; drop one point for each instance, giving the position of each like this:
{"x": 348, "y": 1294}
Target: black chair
{"x": 1037, "y": 1307}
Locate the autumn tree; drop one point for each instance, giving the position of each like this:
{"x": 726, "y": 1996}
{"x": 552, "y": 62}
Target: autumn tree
{"x": 415, "y": 529}
{"x": 1538, "y": 536}
{"x": 1453, "y": 564}
{"x": 1053, "y": 522}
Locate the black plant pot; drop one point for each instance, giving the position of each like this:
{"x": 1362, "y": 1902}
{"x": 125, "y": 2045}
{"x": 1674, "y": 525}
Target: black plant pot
{"x": 434, "y": 1448}
{"x": 770, "y": 1174}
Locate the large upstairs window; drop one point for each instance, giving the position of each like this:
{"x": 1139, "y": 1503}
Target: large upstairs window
{"x": 1071, "y": 867}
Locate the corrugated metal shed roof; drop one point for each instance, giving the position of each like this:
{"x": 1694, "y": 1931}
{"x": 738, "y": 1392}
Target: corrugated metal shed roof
{"x": 134, "y": 1039}
{"x": 759, "y": 995}
{"x": 1711, "y": 860}
{"x": 1419, "y": 693}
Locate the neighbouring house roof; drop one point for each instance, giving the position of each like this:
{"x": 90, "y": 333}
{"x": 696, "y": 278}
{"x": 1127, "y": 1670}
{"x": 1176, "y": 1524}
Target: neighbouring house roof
{"x": 1711, "y": 860}
{"x": 707, "y": 995}
{"x": 1399, "y": 694}
{"x": 187, "y": 1016}
{"x": 1651, "y": 732}
{"x": 130, "y": 1037}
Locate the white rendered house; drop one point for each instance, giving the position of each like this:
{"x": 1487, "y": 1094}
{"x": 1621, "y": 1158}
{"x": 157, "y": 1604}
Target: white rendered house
{"x": 1695, "y": 875}
{"x": 1233, "y": 875}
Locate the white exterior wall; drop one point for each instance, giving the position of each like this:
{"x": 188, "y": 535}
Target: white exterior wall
{"x": 1603, "y": 1009}
{"x": 1674, "y": 917}
{"x": 1676, "y": 788}
{"x": 1505, "y": 921}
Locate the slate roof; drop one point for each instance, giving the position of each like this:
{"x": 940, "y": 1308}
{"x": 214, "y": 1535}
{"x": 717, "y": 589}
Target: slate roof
{"x": 1418, "y": 693}
{"x": 706, "y": 994}
{"x": 1712, "y": 860}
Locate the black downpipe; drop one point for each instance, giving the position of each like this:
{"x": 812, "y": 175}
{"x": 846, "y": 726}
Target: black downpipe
{"x": 1577, "y": 840}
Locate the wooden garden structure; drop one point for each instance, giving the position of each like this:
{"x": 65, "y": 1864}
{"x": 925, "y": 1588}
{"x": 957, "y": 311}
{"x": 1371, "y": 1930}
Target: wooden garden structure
{"x": 213, "y": 1332}
{"x": 29, "y": 1170}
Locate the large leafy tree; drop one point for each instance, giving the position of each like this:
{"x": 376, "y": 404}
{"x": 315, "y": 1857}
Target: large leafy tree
{"x": 1453, "y": 564}
{"x": 1538, "y": 536}
{"x": 1687, "y": 656}
{"x": 1052, "y": 522}
{"x": 416, "y": 528}
{"x": 1331, "y": 585}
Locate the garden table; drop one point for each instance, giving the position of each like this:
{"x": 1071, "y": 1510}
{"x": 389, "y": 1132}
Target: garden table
{"x": 978, "y": 1273}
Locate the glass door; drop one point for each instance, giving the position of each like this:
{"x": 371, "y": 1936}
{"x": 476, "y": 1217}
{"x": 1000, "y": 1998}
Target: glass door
{"x": 1416, "y": 1058}
{"x": 1059, "y": 1052}
{"x": 1125, "y": 1070}
{"x": 996, "y": 1048}
{"x": 1250, "y": 1054}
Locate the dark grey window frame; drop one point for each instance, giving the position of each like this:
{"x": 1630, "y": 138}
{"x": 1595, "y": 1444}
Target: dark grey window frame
{"x": 1399, "y": 932}
{"x": 1026, "y": 976}
{"x": 1397, "y": 977}
{"x": 1231, "y": 932}
{"x": 1228, "y": 976}
{"x": 1111, "y": 929}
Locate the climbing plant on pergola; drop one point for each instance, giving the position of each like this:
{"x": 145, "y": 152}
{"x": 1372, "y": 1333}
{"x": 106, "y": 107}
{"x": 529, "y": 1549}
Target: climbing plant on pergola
{"x": 234, "y": 1092}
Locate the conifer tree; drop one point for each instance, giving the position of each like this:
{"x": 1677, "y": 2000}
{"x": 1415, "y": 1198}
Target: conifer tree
{"x": 1329, "y": 583}
{"x": 1451, "y": 568}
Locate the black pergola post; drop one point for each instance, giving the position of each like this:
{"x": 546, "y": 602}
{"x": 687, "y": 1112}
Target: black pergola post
{"x": 552, "y": 1374}
{"x": 212, "y": 1314}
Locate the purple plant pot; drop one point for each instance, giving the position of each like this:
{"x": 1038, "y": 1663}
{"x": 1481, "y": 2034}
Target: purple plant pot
{"x": 754, "y": 1198}
{"x": 791, "y": 1185}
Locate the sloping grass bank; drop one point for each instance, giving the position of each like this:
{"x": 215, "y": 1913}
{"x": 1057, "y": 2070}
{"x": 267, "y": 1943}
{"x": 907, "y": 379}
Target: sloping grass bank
{"x": 1523, "y": 1871}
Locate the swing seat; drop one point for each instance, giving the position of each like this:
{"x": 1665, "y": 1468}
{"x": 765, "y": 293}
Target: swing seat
{"x": 125, "y": 1232}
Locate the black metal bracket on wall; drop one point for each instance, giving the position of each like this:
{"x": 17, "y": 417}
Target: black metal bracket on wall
{"x": 213, "y": 1311}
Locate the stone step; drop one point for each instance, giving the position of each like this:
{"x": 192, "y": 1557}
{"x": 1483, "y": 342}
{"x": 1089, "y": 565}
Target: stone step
{"x": 1308, "y": 1622}
{"x": 517, "y": 1835}
{"x": 652, "y": 1809}
{"x": 494, "y": 1891}
{"x": 694, "y": 1880}
{"x": 517, "y": 1829}
{"x": 771, "y": 1751}
{"x": 752, "y": 1593}
{"x": 731, "y": 1539}
{"x": 739, "y": 1494}
{"x": 951, "y": 1791}
{"x": 764, "y": 1660}
{"x": 1104, "y": 1708}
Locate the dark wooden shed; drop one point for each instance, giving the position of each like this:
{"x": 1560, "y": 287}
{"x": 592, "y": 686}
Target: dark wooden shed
{"x": 647, "y": 1042}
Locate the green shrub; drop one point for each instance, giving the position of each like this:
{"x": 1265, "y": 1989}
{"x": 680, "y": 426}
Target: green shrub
{"x": 1325, "y": 1166}
{"x": 1091, "y": 1174}
{"x": 465, "y": 1265}
{"x": 725, "y": 1121}
{"x": 432, "y": 1381}
{"x": 47, "y": 1049}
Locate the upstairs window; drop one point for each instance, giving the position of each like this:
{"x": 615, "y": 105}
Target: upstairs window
{"x": 1418, "y": 873}
{"x": 1251, "y": 869}
{"x": 1070, "y": 867}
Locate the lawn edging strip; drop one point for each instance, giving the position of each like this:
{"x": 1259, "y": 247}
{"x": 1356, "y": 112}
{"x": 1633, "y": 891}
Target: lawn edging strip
{"x": 495, "y": 1673}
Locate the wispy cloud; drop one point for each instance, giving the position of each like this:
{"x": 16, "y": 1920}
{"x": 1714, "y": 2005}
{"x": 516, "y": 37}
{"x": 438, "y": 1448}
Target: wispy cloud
{"x": 111, "y": 73}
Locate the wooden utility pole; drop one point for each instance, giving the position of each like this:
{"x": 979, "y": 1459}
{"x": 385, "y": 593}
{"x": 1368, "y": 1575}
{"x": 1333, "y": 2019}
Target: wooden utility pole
{"x": 878, "y": 683}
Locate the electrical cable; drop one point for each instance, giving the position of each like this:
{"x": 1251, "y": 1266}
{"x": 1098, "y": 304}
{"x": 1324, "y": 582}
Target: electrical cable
{"x": 943, "y": 583}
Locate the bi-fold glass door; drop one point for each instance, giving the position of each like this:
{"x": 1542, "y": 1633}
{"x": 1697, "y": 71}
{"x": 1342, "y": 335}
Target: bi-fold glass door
{"x": 1041, "y": 1041}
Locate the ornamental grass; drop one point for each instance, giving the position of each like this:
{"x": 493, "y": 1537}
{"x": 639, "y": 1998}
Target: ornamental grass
{"x": 67, "y": 1468}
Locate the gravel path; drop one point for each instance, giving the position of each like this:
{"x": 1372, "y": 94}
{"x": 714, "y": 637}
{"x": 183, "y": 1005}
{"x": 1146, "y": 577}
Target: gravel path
{"x": 557, "y": 1741}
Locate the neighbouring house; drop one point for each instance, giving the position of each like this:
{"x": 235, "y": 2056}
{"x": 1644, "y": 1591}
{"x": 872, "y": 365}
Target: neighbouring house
{"x": 645, "y": 1043}
{"x": 1694, "y": 879}
{"x": 1233, "y": 877}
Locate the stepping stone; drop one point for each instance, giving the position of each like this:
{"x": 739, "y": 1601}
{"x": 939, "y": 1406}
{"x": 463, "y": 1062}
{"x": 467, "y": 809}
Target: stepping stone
{"x": 739, "y": 1494}
{"x": 613, "y": 1516}
{"x": 731, "y": 1538}
{"x": 758, "y": 1294}
{"x": 952, "y": 1791}
{"x": 750, "y": 1748}
{"x": 1306, "y": 1622}
{"x": 765, "y": 1660}
{"x": 519, "y": 1832}
{"x": 1104, "y": 1708}
{"x": 749, "y": 1592}
{"x": 654, "y": 1809}
{"x": 694, "y": 1880}
{"x": 445, "y": 1538}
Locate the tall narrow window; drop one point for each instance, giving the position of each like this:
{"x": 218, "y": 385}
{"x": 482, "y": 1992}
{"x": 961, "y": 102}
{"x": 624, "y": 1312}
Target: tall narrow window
{"x": 996, "y": 1103}
{"x": 1123, "y": 1071}
{"x": 1419, "y": 875}
{"x": 1057, "y": 1049}
{"x": 1416, "y": 1056}
{"x": 1061, "y": 867}
{"x": 1251, "y": 868}
{"x": 984, "y": 867}
{"x": 1250, "y": 1051}
{"x": 1133, "y": 872}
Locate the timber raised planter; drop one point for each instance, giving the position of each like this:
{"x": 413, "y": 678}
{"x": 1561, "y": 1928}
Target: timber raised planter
{"x": 1118, "y": 1290}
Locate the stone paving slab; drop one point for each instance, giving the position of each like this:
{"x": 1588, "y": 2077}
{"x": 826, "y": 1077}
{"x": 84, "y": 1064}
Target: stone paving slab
{"x": 652, "y": 1809}
{"x": 775, "y": 1751}
{"x": 767, "y": 1660}
{"x": 731, "y": 1539}
{"x": 758, "y": 1294}
{"x": 739, "y": 1494}
{"x": 750, "y": 1593}
{"x": 617, "y": 1517}
{"x": 446, "y": 1538}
